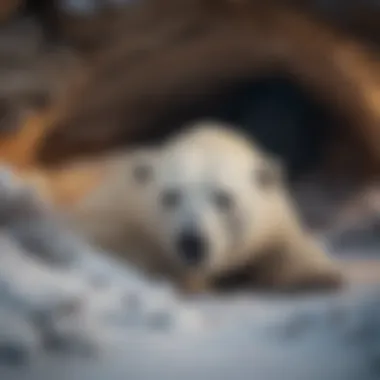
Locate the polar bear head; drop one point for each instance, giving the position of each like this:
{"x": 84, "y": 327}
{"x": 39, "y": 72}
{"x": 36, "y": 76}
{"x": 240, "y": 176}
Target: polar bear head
{"x": 217, "y": 199}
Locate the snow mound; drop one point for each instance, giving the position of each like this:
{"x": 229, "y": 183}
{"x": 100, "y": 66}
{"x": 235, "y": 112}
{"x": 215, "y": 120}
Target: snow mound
{"x": 69, "y": 311}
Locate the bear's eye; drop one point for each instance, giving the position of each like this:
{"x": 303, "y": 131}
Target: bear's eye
{"x": 142, "y": 173}
{"x": 223, "y": 200}
{"x": 171, "y": 198}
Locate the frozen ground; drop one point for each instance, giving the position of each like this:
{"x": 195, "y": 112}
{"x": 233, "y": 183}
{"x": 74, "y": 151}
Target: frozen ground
{"x": 68, "y": 313}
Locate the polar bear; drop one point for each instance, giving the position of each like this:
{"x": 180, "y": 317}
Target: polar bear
{"x": 221, "y": 212}
{"x": 208, "y": 209}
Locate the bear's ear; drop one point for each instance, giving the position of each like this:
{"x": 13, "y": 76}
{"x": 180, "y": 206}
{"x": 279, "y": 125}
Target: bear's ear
{"x": 142, "y": 173}
{"x": 143, "y": 168}
{"x": 270, "y": 173}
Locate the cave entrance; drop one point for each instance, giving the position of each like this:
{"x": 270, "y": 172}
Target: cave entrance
{"x": 320, "y": 157}
{"x": 274, "y": 111}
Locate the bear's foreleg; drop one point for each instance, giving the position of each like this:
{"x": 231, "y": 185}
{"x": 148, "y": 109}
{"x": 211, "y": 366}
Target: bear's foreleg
{"x": 299, "y": 266}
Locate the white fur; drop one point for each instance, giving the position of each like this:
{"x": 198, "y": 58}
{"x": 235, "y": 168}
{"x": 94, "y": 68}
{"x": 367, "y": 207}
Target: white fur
{"x": 208, "y": 157}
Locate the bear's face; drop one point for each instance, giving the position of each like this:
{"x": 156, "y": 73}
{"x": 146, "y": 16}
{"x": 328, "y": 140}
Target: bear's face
{"x": 209, "y": 205}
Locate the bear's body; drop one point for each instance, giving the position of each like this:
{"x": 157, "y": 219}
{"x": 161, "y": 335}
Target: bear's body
{"x": 112, "y": 214}
{"x": 205, "y": 206}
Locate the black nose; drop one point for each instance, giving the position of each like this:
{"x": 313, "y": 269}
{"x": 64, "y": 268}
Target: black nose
{"x": 191, "y": 247}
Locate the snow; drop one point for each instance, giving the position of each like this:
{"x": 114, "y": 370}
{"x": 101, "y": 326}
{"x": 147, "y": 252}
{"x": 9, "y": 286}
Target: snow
{"x": 68, "y": 311}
